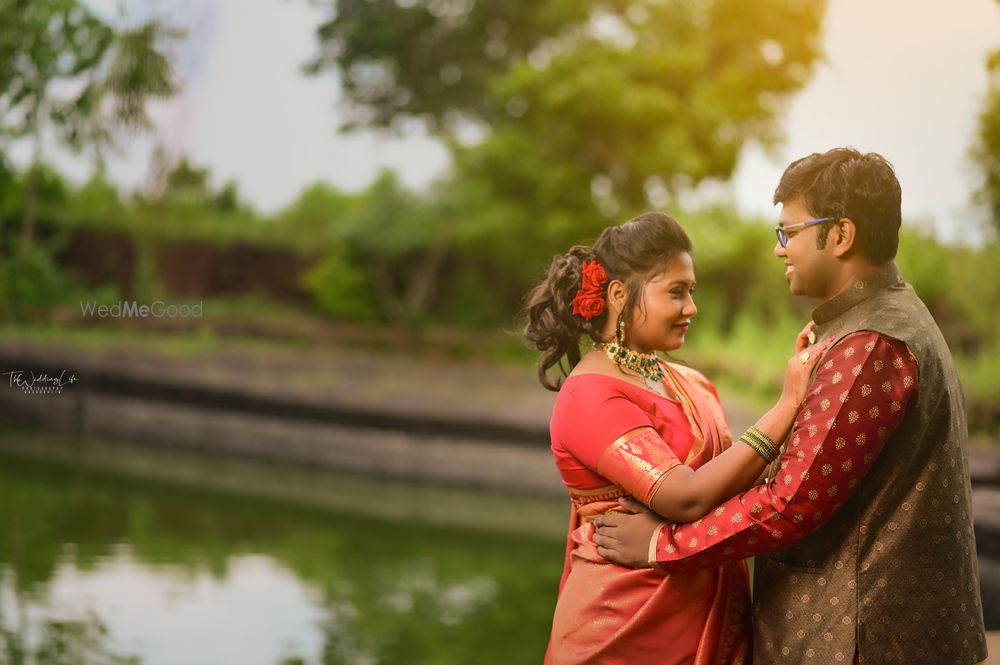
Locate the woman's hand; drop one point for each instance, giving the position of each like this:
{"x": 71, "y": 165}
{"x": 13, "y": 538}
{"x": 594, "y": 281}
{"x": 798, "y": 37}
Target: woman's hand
{"x": 802, "y": 339}
{"x": 799, "y": 370}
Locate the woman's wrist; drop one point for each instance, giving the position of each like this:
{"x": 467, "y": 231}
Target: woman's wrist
{"x": 786, "y": 408}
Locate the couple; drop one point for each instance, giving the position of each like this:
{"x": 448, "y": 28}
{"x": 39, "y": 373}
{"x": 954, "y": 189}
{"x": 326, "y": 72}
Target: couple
{"x": 852, "y": 491}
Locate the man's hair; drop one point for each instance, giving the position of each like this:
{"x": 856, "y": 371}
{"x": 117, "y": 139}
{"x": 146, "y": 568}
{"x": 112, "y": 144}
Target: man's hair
{"x": 845, "y": 183}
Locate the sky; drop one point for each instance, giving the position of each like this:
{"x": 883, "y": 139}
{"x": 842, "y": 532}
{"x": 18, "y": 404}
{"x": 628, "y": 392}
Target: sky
{"x": 902, "y": 78}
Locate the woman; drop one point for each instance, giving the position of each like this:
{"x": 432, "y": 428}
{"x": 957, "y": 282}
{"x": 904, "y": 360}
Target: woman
{"x": 627, "y": 423}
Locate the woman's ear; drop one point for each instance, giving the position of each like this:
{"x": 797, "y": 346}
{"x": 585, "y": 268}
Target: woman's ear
{"x": 617, "y": 294}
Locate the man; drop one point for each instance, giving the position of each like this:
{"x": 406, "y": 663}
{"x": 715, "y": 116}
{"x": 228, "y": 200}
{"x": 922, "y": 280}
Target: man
{"x": 863, "y": 531}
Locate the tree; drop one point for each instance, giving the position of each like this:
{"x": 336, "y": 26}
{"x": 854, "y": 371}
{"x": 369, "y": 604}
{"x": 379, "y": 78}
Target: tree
{"x": 624, "y": 97}
{"x": 66, "y": 72}
{"x": 388, "y": 251}
{"x": 986, "y": 150}
{"x": 582, "y": 111}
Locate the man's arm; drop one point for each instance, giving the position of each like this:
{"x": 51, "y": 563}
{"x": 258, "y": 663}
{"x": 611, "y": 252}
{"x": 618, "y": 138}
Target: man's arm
{"x": 858, "y": 397}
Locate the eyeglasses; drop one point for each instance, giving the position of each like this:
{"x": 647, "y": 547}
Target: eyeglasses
{"x": 782, "y": 231}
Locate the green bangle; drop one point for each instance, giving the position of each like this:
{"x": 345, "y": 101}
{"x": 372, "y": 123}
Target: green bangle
{"x": 767, "y": 455}
{"x": 764, "y": 442}
{"x": 753, "y": 429}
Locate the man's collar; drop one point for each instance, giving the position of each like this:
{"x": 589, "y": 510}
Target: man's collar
{"x": 859, "y": 292}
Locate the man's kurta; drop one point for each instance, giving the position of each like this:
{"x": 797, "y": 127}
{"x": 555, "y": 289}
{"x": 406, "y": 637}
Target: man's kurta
{"x": 867, "y": 516}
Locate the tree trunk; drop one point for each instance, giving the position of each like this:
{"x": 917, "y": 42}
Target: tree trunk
{"x": 390, "y": 305}
{"x": 30, "y": 210}
{"x": 423, "y": 286}
{"x": 31, "y": 188}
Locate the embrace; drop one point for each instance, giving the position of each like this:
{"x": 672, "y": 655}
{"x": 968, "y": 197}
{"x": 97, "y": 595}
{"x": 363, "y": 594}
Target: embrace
{"x": 852, "y": 491}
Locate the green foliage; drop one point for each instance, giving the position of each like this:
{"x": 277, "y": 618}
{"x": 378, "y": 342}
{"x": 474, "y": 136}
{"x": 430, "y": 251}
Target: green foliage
{"x": 30, "y": 280}
{"x": 389, "y": 237}
{"x": 63, "y": 67}
{"x": 317, "y": 217}
{"x": 340, "y": 288}
{"x": 986, "y": 149}
{"x": 586, "y": 107}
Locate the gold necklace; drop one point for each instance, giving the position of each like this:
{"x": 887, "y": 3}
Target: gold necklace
{"x": 646, "y": 365}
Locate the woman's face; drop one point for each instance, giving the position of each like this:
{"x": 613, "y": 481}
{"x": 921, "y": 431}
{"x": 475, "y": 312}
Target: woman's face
{"x": 666, "y": 308}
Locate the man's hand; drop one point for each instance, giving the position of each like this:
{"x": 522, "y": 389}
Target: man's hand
{"x": 624, "y": 538}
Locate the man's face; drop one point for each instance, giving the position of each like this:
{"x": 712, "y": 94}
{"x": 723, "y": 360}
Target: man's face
{"x": 809, "y": 271}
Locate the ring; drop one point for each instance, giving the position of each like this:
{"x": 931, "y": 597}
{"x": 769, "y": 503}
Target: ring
{"x": 804, "y": 357}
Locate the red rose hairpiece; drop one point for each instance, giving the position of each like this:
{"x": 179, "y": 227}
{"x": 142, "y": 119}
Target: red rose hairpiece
{"x": 590, "y": 301}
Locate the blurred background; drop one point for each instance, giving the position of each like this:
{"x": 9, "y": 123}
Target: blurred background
{"x": 322, "y": 440}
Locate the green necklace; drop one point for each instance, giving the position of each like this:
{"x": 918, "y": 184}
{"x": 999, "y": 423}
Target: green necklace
{"x": 646, "y": 365}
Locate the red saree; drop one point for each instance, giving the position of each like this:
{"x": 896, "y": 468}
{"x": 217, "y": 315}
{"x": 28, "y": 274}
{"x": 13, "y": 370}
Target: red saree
{"x": 609, "y": 614}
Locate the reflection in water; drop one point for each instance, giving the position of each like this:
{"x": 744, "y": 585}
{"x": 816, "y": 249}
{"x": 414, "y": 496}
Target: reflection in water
{"x": 185, "y": 576}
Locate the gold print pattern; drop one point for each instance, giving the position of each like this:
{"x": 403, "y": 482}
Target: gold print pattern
{"x": 866, "y": 390}
{"x": 878, "y": 365}
{"x": 887, "y": 386}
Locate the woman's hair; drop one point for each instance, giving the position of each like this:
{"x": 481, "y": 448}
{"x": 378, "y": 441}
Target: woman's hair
{"x": 633, "y": 253}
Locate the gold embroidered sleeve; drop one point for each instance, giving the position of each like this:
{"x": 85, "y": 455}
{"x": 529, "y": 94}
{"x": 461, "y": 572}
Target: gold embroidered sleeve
{"x": 638, "y": 462}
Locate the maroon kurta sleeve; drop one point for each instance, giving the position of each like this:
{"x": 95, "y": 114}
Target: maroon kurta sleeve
{"x": 856, "y": 400}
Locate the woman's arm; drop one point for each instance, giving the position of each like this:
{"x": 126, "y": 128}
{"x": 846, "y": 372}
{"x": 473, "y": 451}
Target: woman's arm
{"x": 687, "y": 494}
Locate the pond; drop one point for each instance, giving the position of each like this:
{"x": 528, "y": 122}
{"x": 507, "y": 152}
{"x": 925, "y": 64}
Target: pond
{"x": 139, "y": 569}
{"x": 116, "y": 553}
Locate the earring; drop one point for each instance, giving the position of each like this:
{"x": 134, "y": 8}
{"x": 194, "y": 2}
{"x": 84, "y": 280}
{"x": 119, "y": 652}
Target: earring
{"x": 620, "y": 333}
